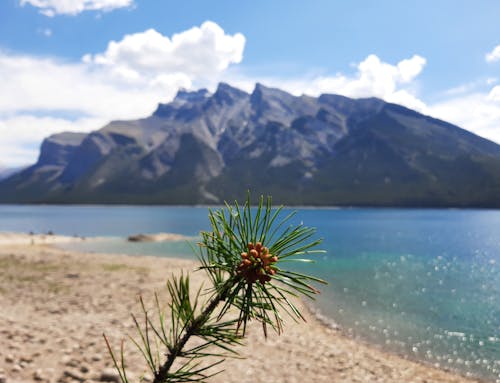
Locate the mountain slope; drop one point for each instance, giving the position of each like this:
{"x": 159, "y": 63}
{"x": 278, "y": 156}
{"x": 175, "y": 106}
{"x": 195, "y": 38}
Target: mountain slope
{"x": 205, "y": 148}
{"x": 6, "y": 172}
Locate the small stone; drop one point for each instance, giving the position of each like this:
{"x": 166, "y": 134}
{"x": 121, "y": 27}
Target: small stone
{"x": 73, "y": 275}
{"x": 84, "y": 368}
{"x": 26, "y": 359}
{"x": 55, "y": 311}
{"x": 16, "y": 368}
{"x": 73, "y": 363}
{"x": 9, "y": 358}
{"x": 96, "y": 357}
{"x": 3, "y": 379}
{"x": 109, "y": 375}
{"x": 38, "y": 375}
{"x": 74, "y": 375}
{"x": 65, "y": 359}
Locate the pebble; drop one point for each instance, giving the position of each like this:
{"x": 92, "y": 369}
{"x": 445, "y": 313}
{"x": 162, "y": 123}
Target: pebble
{"x": 55, "y": 311}
{"x": 16, "y": 368}
{"x": 38, "y": 375}
{"x": 84, "y": 368}
{"x": 26, "y": 359}
{"x": 109, "y": 375}
{"x": 3, "y": 379}
{"x": 9, "y": 359}
{"x": 72, "y": 275}
{"x": 73, "y": 363}
{"x": 76, "y": 375}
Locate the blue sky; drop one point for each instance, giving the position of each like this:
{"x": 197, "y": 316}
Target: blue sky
{"x": 61, "y": 70}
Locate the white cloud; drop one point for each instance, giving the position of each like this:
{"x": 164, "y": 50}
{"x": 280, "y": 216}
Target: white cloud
{"x": 477, "y": 112}
{"x": 198, "y": 53}
{"x": 376, "y": 78}
{"x": 41, "y": 84}
{"x": 47, "y": 32}
{"x": 51, "y": 8}
{"x": 373, "y": 78}
{"x": 22, "y": 134}
{"x": 470, "y": 87}
{"x": 494, "y": 55}
{"x": 494, "y": 94}
{"x": 125, "y": 82}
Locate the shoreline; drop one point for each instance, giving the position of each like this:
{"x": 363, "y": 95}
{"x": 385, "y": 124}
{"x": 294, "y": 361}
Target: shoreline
{"x": 331, "y": 324}
{"x": 327, "y": 322}
{"x": 287, "y": 205}
{"x": 312, "y": 349}
{"x": 13, "y": 238}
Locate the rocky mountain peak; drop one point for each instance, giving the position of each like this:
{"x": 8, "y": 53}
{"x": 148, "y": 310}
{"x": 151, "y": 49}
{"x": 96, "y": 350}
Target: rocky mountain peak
{"x": 67, "y": 138}
{"x": 182, "y": 98}
{"x": 196, "y": 96}
{"x": 262, "y": 93}
{"x": 58, "y": 148}
{"x": 228, "y": 94}
{"x": 272, "y": 104}
{"x": 330, "y": 150}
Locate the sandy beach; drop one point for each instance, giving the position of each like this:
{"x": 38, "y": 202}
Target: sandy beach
{"x": 56, "y": 304}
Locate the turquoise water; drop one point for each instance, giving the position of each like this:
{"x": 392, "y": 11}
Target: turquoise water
{"x": 423, "y": 283}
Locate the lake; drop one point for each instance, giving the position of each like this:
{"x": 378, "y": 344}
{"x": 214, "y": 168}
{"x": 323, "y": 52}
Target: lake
{"x": 423, "y": 283}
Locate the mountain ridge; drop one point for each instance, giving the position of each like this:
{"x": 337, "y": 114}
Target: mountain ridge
{"x": 209, "y": 147}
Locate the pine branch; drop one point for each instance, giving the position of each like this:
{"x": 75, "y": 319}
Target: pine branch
{"x": 243, "y": 256}
{"x": 162, "y": 374}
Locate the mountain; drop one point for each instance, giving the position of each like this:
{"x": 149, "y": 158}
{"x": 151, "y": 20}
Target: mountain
{"x": 6, "y": 172}
{"x": 209, "y": 147}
